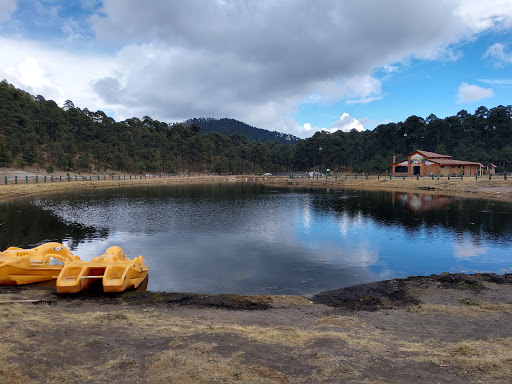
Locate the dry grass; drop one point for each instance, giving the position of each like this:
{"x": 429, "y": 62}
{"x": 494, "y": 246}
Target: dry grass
{"x": 469, "y": 308}
{"x": 342, "y": 322}
{"x": 329, "y": 367}
{"x": 489, "y": 360}
{"x": 199, "y": 364}
{"x": 153, "y": 343}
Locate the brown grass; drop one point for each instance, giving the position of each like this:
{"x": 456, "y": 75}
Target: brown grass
{"x": 198, "y": 363}
{"x": 470, "y": 308}
{"x": 489, "y": 360}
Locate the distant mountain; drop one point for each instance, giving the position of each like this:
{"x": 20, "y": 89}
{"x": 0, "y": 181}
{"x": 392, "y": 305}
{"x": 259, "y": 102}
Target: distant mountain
{"x": 229, "y": 127}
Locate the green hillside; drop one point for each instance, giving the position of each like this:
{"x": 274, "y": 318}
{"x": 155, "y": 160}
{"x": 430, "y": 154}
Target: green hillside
{"x": 37, "y": 132}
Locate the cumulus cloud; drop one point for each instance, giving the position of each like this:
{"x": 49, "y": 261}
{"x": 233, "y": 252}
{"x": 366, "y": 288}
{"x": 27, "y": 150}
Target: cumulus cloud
{"x": 7, "y": 7}
{"x": 468, "y": 93}
{"x": 50, "y": 73}
{"x": 255, "y": 61}
{"x": 346, "y": 123}
{"x": 258, "y": 60}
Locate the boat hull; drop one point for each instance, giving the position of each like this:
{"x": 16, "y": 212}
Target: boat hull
{"x": 117, "y": 272}
{"x": 27, "y": 266}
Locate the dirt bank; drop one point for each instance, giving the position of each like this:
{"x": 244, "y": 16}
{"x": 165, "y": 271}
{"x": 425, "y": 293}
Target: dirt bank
{"x": 495, "y": 189}
{"x": 442, "y": 329}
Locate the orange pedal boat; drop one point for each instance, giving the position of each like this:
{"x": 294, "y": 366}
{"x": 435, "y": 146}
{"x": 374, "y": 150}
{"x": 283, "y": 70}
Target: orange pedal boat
{"x": 26, "y": 266}
{"x": 117, "y": 272}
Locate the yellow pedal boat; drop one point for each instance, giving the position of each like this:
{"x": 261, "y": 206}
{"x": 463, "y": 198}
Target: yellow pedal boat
{"x": 26, "y": 266}
{"x": 113, "y": 267}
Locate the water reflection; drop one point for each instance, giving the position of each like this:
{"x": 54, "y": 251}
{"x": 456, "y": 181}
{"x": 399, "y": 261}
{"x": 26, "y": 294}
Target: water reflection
{"x": 26, "y": 226}
{"x": 246, "y": 238}
{"x": 421, "y": 202}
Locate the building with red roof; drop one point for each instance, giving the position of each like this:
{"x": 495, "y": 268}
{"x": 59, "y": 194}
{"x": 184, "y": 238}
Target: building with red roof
{"x": 425, "y": 163}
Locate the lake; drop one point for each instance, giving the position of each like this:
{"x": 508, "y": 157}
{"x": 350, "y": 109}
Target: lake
{"x": 246, "y": 238}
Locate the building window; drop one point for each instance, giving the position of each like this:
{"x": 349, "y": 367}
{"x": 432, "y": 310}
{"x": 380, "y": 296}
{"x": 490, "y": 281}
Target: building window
{"x": 401, "y": 168}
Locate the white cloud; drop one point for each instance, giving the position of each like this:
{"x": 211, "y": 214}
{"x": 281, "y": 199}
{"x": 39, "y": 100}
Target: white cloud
{"x": 468, "y": 93}
{"x": 7, "y": 7}
{"x": 54, "y": 74}
{"x": 364, "y": 100}
{"x": 479, "y": 15}
{"x": 497, "y": 52}
{"x": 346, "y": 123}
{"x": 256, "y": 61}
{"x": 499, "y": 82}
{"x": 72, "y": 30}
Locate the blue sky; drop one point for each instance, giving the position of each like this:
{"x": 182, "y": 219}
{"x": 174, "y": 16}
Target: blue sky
{"x": 293, "y": 66}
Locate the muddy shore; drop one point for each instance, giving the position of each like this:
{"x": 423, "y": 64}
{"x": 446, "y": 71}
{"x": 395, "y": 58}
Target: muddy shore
{"x": 449, "y": 328}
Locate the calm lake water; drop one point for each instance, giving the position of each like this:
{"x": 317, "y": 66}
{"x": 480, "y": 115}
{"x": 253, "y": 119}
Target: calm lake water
{"x": 249, "y": 239}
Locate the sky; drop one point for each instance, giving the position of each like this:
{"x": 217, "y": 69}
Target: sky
{"x": 292, "y": 66}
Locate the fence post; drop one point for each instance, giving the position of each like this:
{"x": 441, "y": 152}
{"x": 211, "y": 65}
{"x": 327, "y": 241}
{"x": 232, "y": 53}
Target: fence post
{"x": 15, "y": 179}
{"x": 52, "y": 178}
{"x": 448, "y": 176}
{"x": 490, "y": 177}
{"x": 417, "y": 177}
{"x": 45, "y": 178}
{"x": 36, "y": 179}
{"x": 505, "y": 176}
{"x": 26, "y": 179}
{"x": 60, "y": 178}
{"x": 5, "y": 180}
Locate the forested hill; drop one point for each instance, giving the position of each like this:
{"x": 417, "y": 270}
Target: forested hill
{"x": 37, "y": 132}
{"x": 229, "y": 127}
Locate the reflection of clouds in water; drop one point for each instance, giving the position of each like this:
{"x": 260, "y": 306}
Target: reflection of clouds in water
{"x": 347, "y": 223}
{"x": 351, "y": 255}
{"x": 306, "y": 216}
{"x": 467, "y": 250}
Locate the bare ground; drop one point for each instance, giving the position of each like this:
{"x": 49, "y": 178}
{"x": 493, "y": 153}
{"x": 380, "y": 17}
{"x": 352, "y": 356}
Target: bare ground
{"x": 437, "y": 329}
{"x": 495, "y": 189}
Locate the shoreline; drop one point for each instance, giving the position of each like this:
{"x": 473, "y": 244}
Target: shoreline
{"x": 448, "y": 328}
{"x": 496, "y": 189}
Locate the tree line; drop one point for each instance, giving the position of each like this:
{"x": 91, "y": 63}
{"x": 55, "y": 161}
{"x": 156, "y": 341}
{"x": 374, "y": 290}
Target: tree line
{"x": 37, "y": 132}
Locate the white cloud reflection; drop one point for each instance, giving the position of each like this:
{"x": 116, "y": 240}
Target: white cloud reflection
{"x": 467, "y": 250}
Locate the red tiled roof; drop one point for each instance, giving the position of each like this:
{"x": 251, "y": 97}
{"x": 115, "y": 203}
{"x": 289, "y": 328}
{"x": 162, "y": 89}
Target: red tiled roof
{"x": 452, "y": 162}
{"x": 433, "y": 155}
